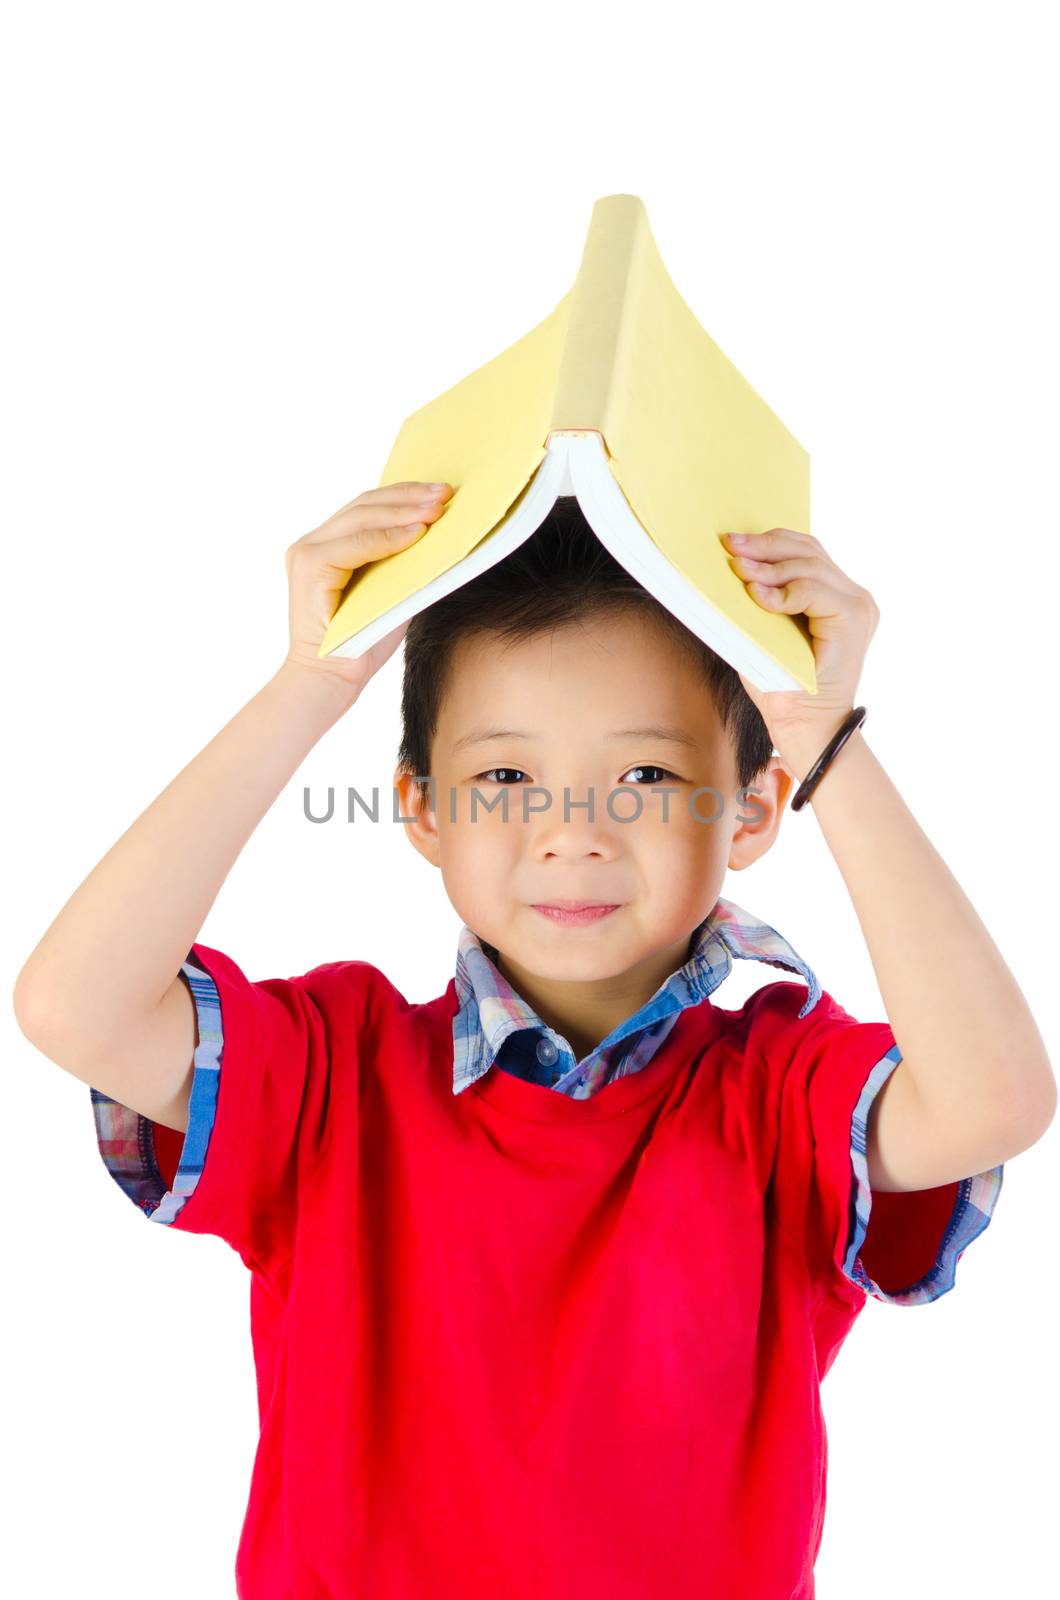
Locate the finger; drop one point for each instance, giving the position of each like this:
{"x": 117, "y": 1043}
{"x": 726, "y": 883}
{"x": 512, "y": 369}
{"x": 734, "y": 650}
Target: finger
{"x": 818, "y": 568}
{"x": 384, "y": 648}
{"x": 401, "y": 493}
{"x": 805, "y": 596}
{"x": 374, "y": 514}
{"x": 344, "y": 553}
{"x": 774, "y": 542}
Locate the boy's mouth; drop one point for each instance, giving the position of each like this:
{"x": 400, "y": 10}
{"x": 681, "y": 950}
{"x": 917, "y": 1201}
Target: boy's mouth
{"x": 576, "y": 912}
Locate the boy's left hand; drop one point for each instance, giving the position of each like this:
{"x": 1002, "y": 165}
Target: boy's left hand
{"x": 792, "y": 572}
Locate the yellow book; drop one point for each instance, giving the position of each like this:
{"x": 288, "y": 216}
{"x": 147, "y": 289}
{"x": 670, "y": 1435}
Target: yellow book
{"x": 621, "y": 399}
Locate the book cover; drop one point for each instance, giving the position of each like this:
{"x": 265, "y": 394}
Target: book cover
{"x": 693, "y": 447}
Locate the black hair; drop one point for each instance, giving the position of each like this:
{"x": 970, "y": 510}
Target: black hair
{"x": 561, "y": 574}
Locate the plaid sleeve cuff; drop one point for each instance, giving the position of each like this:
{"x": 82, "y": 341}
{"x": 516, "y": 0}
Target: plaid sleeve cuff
{"x": 131, "y": 1145}
{"x": 943, "y": 1220}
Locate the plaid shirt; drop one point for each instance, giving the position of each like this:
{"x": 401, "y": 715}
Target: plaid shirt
{"x": 495, "y": 1026}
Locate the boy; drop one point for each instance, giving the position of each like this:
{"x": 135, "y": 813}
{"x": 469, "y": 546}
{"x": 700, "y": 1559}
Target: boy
{"x": 546, "y": 1271}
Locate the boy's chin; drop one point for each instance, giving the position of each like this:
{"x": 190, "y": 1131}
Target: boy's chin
{"x": 563, "y": 952}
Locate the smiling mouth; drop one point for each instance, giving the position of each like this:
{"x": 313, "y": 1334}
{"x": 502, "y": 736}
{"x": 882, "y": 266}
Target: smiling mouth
{"x": 573, "y": 905}
{"x": 575, "y": 912}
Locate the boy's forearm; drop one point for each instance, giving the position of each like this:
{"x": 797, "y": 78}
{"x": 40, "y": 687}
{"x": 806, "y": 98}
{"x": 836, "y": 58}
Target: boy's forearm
{"x": 956, "y": 1011}
{"x": 117, "y": 944}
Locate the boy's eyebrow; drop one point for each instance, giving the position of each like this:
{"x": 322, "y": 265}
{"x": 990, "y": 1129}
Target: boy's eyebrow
{"x": 670, "y": 734}
{"x": 656, "y": 730}
{"x": 483, "y": 735}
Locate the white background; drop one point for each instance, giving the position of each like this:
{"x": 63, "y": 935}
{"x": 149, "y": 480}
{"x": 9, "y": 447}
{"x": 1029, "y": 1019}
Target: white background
{"x": 244, "y": 241}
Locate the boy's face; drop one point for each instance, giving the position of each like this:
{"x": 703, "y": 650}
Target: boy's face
{"x": 571, "y": 694}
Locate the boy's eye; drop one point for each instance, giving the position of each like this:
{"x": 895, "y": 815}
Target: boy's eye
{"x": 488, "y": 774}
{"x": 666, "y": 773}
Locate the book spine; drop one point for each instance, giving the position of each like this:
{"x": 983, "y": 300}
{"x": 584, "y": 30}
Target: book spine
{"x": 592, "y": 369}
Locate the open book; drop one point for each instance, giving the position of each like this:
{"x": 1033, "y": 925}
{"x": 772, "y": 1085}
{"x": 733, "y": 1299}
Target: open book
{"x": 621, "y": 399}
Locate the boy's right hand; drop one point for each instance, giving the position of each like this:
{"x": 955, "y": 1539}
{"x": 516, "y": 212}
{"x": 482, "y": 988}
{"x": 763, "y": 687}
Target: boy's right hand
{"x": 320, "y": 563}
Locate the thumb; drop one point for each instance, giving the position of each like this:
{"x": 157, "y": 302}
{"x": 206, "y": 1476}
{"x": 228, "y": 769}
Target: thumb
{"x": 754, "y": 694}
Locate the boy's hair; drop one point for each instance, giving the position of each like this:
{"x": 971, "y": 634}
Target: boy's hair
{"x": 562, "y": 574}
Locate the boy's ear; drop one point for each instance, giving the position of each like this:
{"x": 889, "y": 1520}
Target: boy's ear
{"x": 415, "y": 803}
{"x": 758, "y": 811}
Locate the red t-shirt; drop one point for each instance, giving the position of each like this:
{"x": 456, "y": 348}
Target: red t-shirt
{"x": 512, "y": 1343}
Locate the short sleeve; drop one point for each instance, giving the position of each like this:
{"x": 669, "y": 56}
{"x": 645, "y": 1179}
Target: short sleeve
{"x": 900, "y": 1246}
{"x": 257, "y": 1115}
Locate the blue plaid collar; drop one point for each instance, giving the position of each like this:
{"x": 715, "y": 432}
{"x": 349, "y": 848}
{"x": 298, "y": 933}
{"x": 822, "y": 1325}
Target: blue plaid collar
{"x": 490, "y": 1010}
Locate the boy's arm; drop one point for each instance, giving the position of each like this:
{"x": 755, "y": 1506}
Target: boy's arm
{"x": 100, "y": 994}
{"x": 974, "y": 1086}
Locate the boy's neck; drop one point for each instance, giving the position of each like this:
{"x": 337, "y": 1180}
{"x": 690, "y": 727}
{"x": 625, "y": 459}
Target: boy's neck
{"x": 585, "y": 1013}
